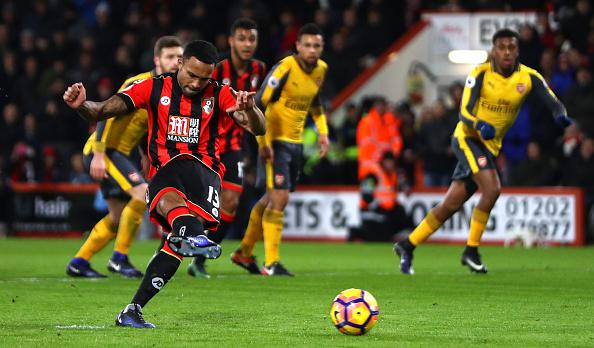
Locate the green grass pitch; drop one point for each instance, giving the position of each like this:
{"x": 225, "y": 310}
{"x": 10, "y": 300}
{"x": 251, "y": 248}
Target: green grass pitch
{"x": 535, "y": 297}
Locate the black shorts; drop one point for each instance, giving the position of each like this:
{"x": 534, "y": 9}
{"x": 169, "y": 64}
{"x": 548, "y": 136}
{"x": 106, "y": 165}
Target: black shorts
{"x": 197, "y": 184}
{"x": 122, "y": 174}
{"x": 233, "y": 179}
{"x": 284, "y": 171}
{"x": 472, "y": 157}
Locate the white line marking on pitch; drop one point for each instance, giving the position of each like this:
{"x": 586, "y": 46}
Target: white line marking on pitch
{"x": 84, "y": 327}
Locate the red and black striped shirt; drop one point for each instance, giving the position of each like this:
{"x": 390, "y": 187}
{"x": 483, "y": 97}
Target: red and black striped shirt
{"x": 250, "y": 80}
{"x": 180, "y": 125}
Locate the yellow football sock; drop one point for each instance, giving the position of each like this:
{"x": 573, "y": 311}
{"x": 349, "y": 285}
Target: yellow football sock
{"x": 478, "y": 223}
{"x": 272, "y": 224}
{"x": 429, "y": 225}
{"x": 101, "y": 234}
{"x": 129, "y": 224}
{"x": 253, "y": 233}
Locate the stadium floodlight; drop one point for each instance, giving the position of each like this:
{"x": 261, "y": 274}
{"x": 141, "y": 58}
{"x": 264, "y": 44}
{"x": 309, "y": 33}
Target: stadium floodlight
{"x": 467, "y": 56}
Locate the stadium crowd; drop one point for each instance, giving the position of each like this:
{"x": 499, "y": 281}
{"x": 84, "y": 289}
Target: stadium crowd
{"x": 46, "y": 45}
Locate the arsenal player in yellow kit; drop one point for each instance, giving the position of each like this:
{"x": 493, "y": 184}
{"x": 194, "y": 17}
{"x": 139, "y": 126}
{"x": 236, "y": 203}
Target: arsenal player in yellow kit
{"x": 290, "y": 91}
{"x": 107, "y": 154}
{"x": 492, "y": 98}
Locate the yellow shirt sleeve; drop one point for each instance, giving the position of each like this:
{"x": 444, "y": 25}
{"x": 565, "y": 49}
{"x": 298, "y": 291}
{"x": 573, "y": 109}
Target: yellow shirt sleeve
{"x": 273, "y": 84}
{"x": 471, "y": 94}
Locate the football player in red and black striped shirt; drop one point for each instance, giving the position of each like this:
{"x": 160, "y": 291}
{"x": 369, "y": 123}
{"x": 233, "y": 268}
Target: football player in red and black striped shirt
{"x": 188, "y": 114}
{"x": 244, "y": 73}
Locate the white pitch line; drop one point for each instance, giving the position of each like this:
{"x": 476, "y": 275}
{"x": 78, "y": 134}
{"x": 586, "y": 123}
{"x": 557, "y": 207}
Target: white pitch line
{"x": 83, "y": 327}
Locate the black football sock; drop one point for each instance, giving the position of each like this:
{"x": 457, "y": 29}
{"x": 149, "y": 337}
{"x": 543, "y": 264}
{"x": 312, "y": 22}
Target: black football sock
{"x": 218, "y": 235}
{"x": 159, "y": 271}
{"x": 471, "y": 250}
{"x": 187, "y": 226}
{"x": 407, "y": 245}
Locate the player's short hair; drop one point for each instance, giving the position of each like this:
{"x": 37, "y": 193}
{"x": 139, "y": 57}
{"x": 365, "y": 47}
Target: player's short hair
{"x": 309, "y": 29}
{"x": 505, "y": 32}
{"x": 202, "y": 50}
{"x": 243, "y": 23}
{"x": 166, "y": 42}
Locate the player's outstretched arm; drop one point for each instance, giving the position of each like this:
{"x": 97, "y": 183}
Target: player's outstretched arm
{"x": 246, "y": 113}
{"x": 76, "y": 98}
{"x": 546, "y": 95}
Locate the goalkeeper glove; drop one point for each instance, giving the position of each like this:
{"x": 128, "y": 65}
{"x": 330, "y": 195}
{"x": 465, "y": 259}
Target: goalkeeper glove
{"x": 486, "y": 129}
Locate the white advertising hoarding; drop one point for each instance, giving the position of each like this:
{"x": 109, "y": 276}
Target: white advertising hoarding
{"x": 471, "y": 31}
{"x": 554, "y": 213}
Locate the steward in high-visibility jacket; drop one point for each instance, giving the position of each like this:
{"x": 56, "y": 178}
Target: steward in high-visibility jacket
{"x": 377, "y": 132}
{"x": 381, "y": 215}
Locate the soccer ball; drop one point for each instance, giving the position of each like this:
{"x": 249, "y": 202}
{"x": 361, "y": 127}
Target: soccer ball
{"x": 354, "y": 312}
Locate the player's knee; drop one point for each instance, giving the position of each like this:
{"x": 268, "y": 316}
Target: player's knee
{"x": 229, "y": 203}
{"x": 115, "y": 217}
{"x": 492, "y": 192}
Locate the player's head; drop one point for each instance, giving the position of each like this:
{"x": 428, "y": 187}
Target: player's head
{"x": 243, "y": 38}
{"x": 167, "y": 54}
{"x": 197, "y": 66}
{"x": 505, "y": 49}
{"x": 310, "y": 44}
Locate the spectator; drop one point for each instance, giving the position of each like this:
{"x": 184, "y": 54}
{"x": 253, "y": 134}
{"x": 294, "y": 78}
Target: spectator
{"x": 434, "y": 146}
{"x": 530, "y": 46}
{"x": 50, "y": 172}
{"x": 562, "y": 77}
{"x": 535, "y": 170}
{"x": 10, "y": 129}
{"x": 347, "y": 141}
{"x": 579, "y": 101}
{"x": 78, "y": 172}
{"x": 22, "y": 164}
{"x": 578, "y": 170}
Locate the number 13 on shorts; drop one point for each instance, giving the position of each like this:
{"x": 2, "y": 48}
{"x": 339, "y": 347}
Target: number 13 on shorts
{"x": 213, "y": 198}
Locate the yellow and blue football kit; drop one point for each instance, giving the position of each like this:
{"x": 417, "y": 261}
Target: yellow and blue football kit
{"x": 288, "y": 95}
{"x": 116, "y": 138}
{"x": 490, "y": 104}
{"x": 493, "y": 100}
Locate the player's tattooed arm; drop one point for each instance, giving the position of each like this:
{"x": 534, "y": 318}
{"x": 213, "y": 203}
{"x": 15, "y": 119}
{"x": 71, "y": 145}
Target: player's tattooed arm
{"x": 76, "y": 98}
{"x": 97, "y": 111}
{"x": 252, "y": 120}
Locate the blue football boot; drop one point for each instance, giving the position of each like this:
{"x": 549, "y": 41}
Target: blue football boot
{"x": 119, "y": 263}
{"x": 81, "y": 268}
{"x": 194, "y": 246}
{"x": 406, "y": 257}
{"x": 131, "y": 316}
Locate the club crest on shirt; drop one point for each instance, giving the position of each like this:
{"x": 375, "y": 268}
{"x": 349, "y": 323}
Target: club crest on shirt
{"x": 207, "y": 105}
{"x": 279, "y": 179}
{"x": 521, "y": 88}
{"x": 226, "y": 81}
{"x": 482, "y": 161}
{"x": 319, "y": 82}
{"x": 165, "y": 100}
{"x": 254, "y": 81}
{"x": 134, "y": 177}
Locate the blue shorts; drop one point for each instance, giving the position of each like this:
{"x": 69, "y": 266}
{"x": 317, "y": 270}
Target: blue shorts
{"x": 122, "y": 174}
{"x": 283, "y": 172}
{"x": 472, "y": 157}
